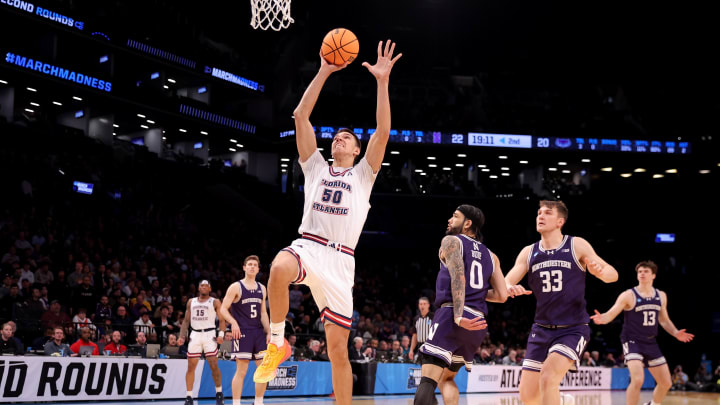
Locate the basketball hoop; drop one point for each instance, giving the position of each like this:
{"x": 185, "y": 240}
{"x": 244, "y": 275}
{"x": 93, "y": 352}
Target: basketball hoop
{"x": 273, "y": 14}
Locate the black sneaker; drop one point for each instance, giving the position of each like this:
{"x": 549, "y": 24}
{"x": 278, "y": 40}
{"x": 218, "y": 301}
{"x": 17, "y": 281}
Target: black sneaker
{"x": 219, "y": 398}
{"x": 188, "y": 401}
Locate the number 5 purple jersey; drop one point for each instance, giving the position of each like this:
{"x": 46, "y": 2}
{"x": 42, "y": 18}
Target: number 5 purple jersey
{"x": 557, "y": 280}
{"x": 479, "y": 267}
{"x": 248, "y": 309}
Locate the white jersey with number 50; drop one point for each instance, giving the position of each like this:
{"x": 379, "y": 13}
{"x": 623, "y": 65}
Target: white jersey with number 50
{"x": 337, "y": 200}
{"x": 202, "y": 314}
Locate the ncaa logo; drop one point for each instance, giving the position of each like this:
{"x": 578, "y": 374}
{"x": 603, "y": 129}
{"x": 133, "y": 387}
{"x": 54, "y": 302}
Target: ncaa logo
{"x": 414, "y": 376}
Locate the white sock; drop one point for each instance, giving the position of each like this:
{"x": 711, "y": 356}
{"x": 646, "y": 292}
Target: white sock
{"x": 189, "y": 393}
{"x": 218, "y": 389}
{"x": 277, "y": 334}
{"x": 236, "y": 402}
{"x": 258, "y": 401}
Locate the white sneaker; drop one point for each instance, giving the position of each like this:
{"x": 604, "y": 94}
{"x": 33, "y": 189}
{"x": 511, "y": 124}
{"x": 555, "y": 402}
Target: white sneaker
{"x": 566, "y": 399}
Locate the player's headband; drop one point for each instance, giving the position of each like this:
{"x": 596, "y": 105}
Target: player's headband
{"x": 204, "y": 282}
{"x": 475, "y": 215}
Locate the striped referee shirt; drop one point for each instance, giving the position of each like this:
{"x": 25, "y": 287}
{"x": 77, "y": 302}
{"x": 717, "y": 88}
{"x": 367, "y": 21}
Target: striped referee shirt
{"x": 422, "y": 327}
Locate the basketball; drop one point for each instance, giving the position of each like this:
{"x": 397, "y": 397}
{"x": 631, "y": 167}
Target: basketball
{"x": 340, "y": 46}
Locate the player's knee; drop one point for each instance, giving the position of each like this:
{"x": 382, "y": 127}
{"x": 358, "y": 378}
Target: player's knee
{"x": 337, "y": 353}
{"x": 549, "y": 380}
{"x": 528, "y": 392}
{"x": 283, "y": 269}
{"x": 664, "y": 382}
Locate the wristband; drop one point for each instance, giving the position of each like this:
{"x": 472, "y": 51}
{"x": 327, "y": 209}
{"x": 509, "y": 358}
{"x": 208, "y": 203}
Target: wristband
{"x": 457, "y": 320}
{"x": 221, "y": 333}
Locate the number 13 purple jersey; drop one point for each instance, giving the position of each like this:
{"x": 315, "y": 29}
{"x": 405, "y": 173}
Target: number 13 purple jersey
{"x": 641, "y": 322}
{"x": 557, "y": 280}
{"x": 479, "y": 267}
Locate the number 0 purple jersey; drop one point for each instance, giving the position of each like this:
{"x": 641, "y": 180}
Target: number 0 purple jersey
{"x": 247, "y": 310}
{"x": 479, "y": 267}
{"x": 557, "y": 280}
{"x": 641, "y": 322}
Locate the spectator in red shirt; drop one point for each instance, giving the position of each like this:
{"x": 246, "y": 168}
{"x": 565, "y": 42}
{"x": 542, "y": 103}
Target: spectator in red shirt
{"x": 115, "y": 347}
{"x": 84, "y": 341}
{"x": 54, "y": 317}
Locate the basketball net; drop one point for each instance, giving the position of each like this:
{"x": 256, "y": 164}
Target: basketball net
{"x": 273, "y": 14}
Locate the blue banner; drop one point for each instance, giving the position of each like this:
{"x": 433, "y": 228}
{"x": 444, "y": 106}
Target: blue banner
{"x": 293, "y": 378}
{"x": 394, "y": 378}
{"x": 621, "y": 379}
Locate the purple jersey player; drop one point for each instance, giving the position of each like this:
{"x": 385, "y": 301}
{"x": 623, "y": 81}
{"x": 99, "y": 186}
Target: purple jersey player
{"x": 556, "y": 267}
{"x": 467, "y": 270}
{"x": 645, "y": 307}
{"x": 244, "y": 306}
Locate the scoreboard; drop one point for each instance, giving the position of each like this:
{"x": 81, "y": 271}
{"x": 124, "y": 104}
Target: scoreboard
{"x": 483, "y": 139}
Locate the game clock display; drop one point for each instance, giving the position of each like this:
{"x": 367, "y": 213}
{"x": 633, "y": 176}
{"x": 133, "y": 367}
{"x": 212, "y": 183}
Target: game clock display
{"x": 493, "y": 140}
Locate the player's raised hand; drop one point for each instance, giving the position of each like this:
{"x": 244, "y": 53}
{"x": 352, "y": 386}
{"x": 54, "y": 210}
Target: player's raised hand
{"x": 683, "y": 336}
{"x": 516, "y": 290}
{"x": 235, "y": 330}
{"x": 478, "y": 323}
{"x": 385, "y": 61}
{"x": 598, "y": 318}
{"x": 329, "y": 67}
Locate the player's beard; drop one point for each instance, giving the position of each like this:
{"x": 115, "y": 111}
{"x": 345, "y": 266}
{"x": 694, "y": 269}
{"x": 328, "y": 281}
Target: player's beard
{"x": 454, "y": 231}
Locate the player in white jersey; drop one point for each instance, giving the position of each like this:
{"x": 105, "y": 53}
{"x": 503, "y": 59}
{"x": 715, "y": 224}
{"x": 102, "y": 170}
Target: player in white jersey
{"x": 200, "y": 317}
{"x": 336, "y": 206}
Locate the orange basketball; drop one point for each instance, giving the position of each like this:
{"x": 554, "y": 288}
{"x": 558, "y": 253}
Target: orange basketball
{"x": 340, "y": 46}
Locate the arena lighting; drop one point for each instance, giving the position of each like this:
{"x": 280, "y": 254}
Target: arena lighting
{"x": 566, "y": 171}
{"x": 321, "y": 149}
{"x": 431, "y": 158}
{"x": 640, "y": 170}
{"x": 394, "y": 152}
{"x": 164, "y": 138}
{"x": 171, "y": 80}
{"x": 504, "y": 168}
{"x": 31, "y": 89}
{"x": 76, "y": 98}
{"x": 239, "y": 146}
{"x": 3, "y": 82}
{"x": 418, "y": 170}
{"x": 29, "y": 110}
{"x": 104, "y": 59}
{"x": 166, "y": 87}
{"x": 203, "y": 132}
{"x": 562, "y": 163}
{"x": 459, "y": 165}
{"x": 182, "y": 130}
{"x": 704, "y": 171}
{"x": 150, "y": 121}
{"x": 626, "y": 175}
{"x": 482, "y": 166}
{"x": 446, "y": 168}
{"x": 462, "y": 155}
{"x": 284, "y": 165}
{"x": 673, "y": 170}
{"x": 202, "y": 90}
{"x": 144, "y": 126}
{"x": 384, "y": 163}
{"x": 524, "y": 162}
{"x": 283, "y": 170}
{"x": 116, "y": 126}
{"x": 606, "y": 169}
{"x": 34, "y": 104}
{"x": 423, "y": 174}
{"x": 658, "y": 176}
{"x": 79, "y": 114}
{"x": 161, "y": 54}
{"x": 552, "y": 169}
{"x": 505, "y": 174}
{"x": 233, "y": 141}
{"x": 485, "y": 170}
{"x": 284, "y": 160}
{"x": 232, "y": 150}
{"x": 154, "y": 76}
{"x": 57, "y": 103}
{"x": 216, "y": 118}
{"x": 140, "y": 116}
{"x": 432, "y": 165}
{"x": 585, "y": 160}
{"x": 492, "y": 176}
{"x": 502, "y": 157}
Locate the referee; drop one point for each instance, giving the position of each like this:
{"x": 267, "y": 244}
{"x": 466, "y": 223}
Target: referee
{"x": 421, "y": 329}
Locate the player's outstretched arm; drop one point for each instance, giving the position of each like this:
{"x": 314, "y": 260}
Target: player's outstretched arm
{"x": 513, "y": 277}
{"x": 624, "y": 301}
{"x": 498, "y": 292}
{"x": 594, "y": 264}
{"x": 381, "y": 70}
{"x": 185, "y": 325}
{"x": 666, "y": 323}
{"x": 233, "y": 292}
{"x": 304, "y": 134}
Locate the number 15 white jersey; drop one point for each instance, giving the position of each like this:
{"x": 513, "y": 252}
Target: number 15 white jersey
{"x": 202, "y": 314}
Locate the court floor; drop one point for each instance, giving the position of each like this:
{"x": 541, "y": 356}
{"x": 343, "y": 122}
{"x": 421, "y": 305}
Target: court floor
{"x": 581, "y": 398}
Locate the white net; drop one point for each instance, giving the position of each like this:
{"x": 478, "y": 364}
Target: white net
{"x": 274, "y": 14}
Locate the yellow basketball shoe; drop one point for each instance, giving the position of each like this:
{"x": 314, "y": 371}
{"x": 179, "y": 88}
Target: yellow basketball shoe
{"x": 274, "y": 356}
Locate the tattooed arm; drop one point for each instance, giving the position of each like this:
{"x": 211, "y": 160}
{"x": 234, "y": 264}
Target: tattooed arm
{"x": 451, "y": 255}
